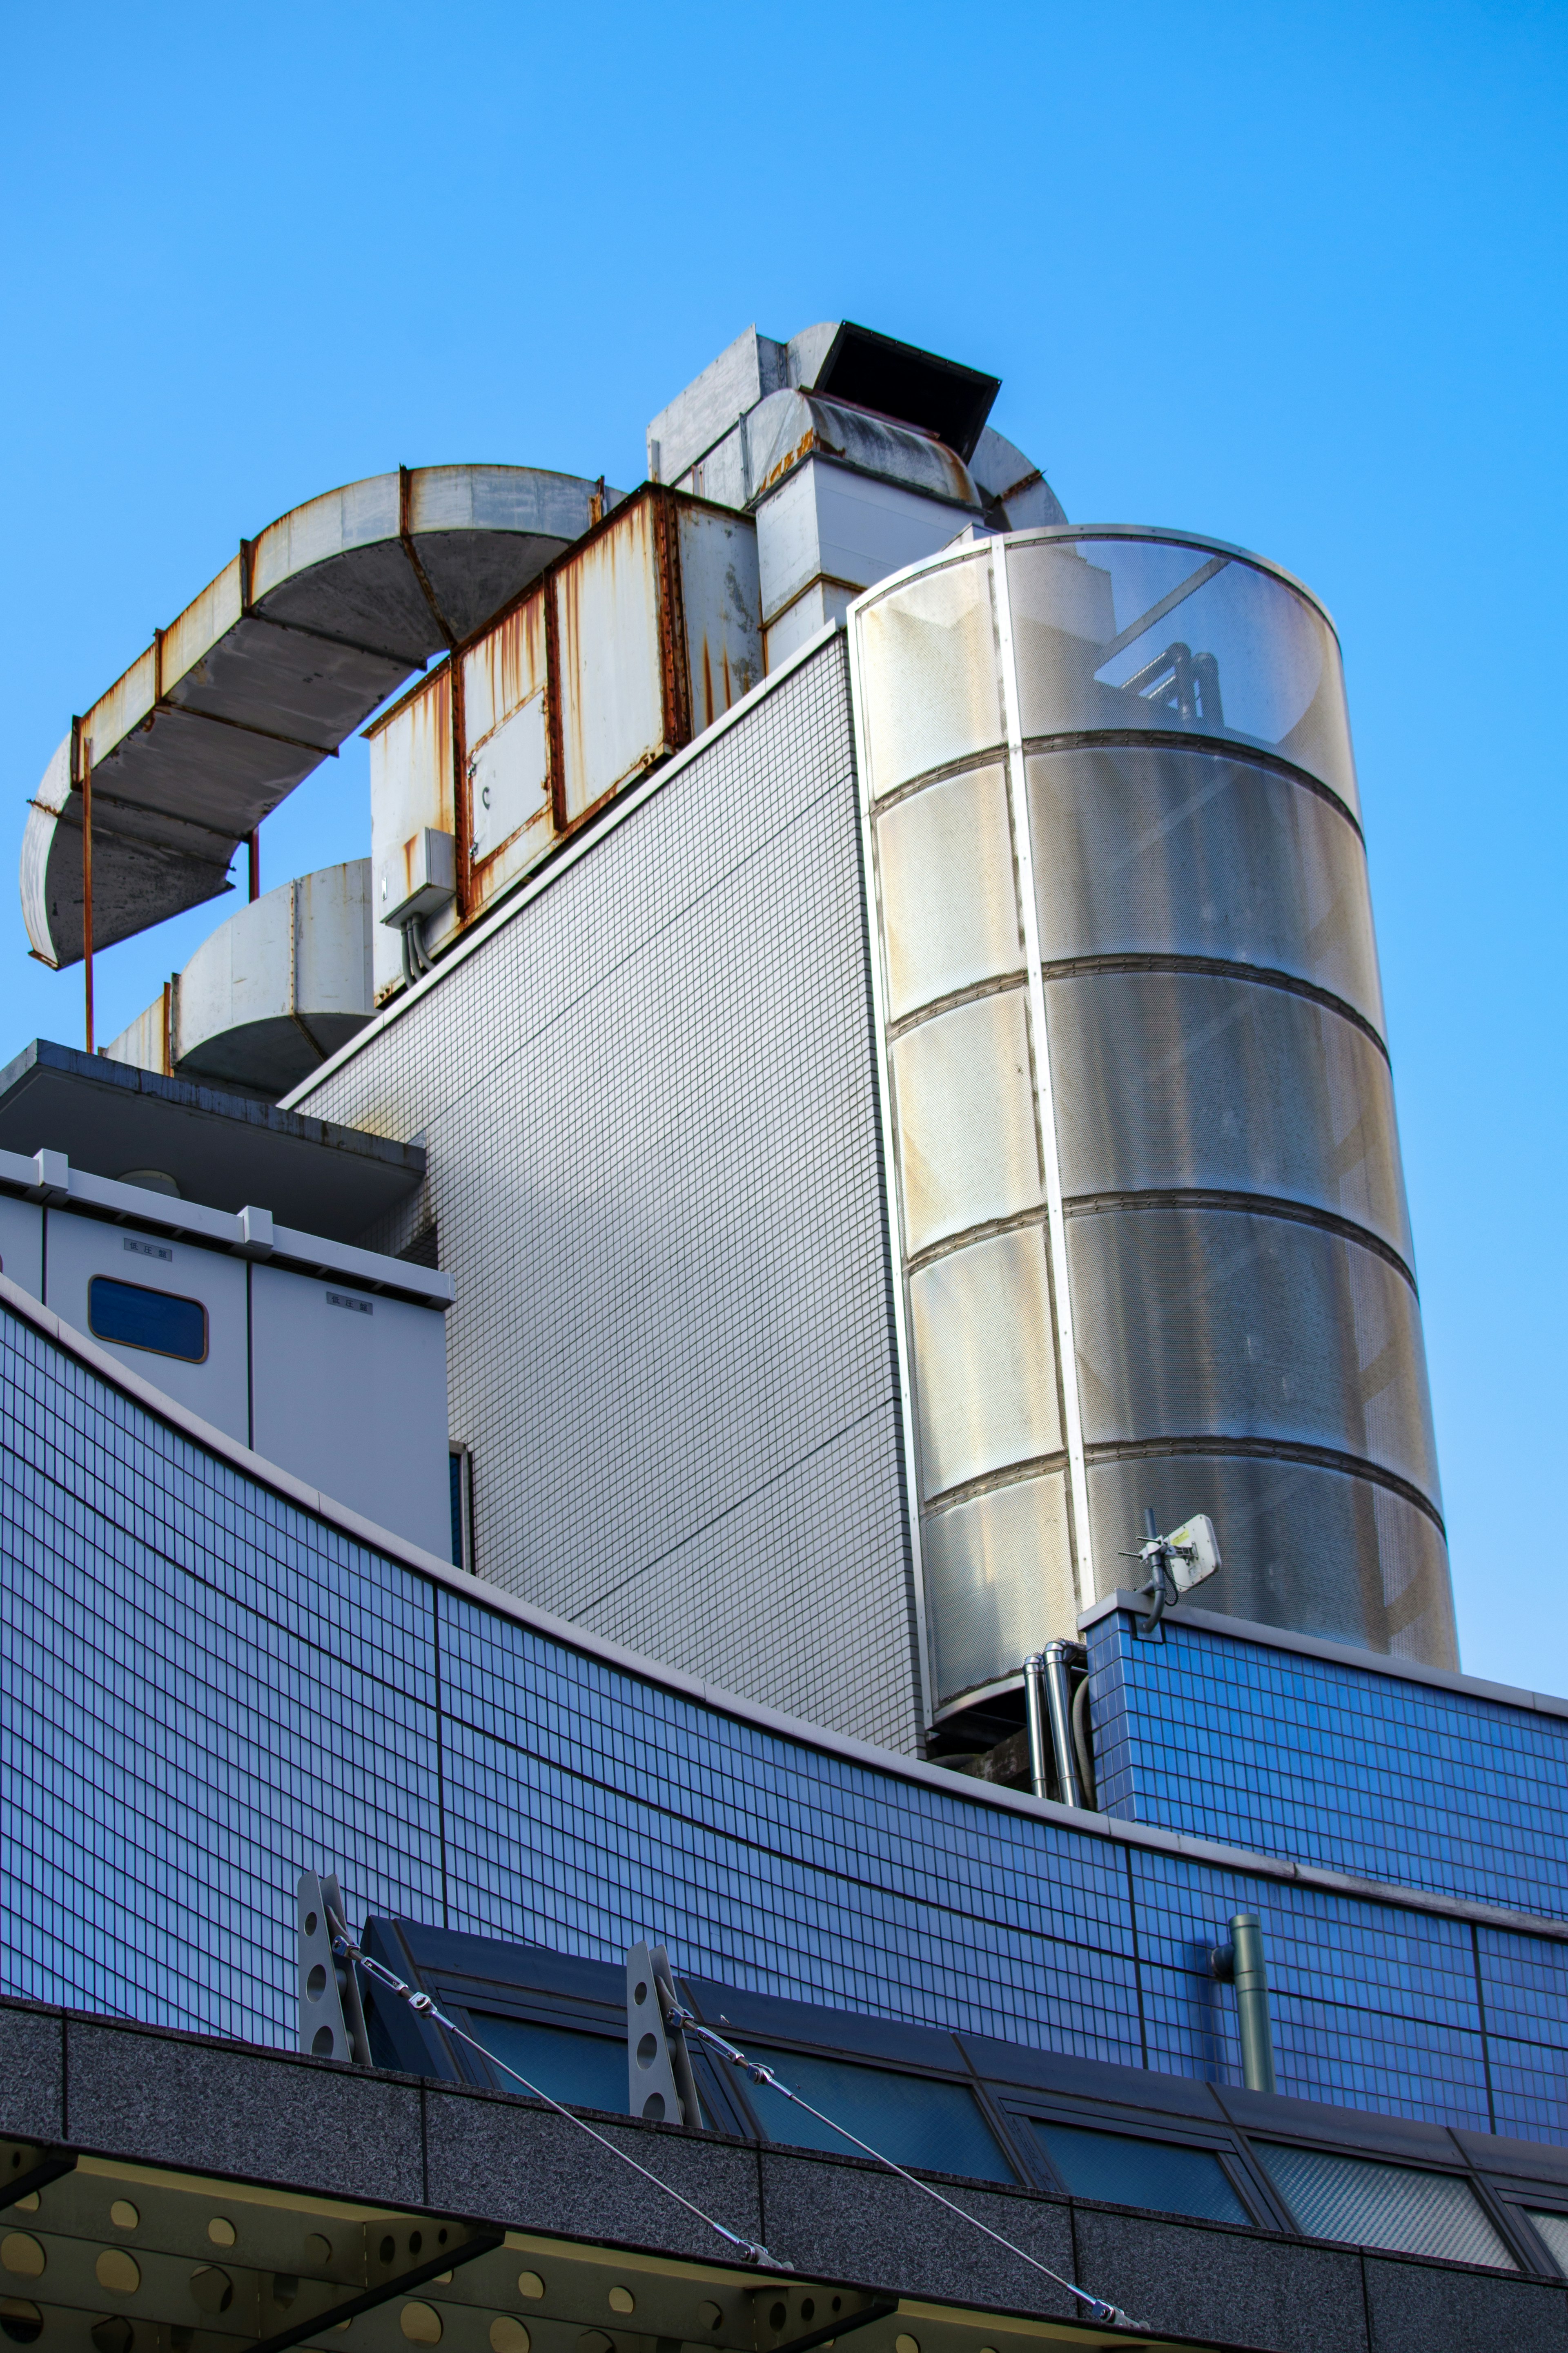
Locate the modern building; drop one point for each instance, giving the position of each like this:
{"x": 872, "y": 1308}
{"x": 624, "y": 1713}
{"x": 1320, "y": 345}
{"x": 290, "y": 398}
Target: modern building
{"x": 852, "y": 1071}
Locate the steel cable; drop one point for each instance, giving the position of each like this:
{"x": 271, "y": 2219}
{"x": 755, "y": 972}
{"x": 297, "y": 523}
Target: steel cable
{"x": 344, "y": 1946}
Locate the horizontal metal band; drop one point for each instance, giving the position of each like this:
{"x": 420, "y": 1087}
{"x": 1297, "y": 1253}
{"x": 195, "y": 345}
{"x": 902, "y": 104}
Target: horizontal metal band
{"x": 986, "y": 1231}
{"x": 1167, "y": 739}
{"x": 1261, "y": 1204}
{"x": 165, "y": 707}
{"x": 1261, "y": 976}
{"x": 73, "y": 823}
{"x": 1012, "y": 1474}
{"x": 991, "y": 756}
{"x": 103, "y": 798}
{"x": 393, "y": 655}
{"x": 995, "y": 986}
{"x": 1268, "y": 1450}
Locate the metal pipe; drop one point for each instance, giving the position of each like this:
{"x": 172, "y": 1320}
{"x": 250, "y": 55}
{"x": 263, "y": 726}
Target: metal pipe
{"x": 1047, "y": 1713}
{"x": 254, "y": 845}
{"x": 87, "y": 878}
{"x": 1036, "y": 1714}
{"x": 1240, "y": 1964}
{"x": 1058, "y": 1693}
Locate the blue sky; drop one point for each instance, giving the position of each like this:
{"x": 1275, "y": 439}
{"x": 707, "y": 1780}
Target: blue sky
{"x": 1291, "y": 276}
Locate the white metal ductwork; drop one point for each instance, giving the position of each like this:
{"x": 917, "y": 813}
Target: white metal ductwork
{"x": 262, "y": 677}
{"x": 271, "y": 993}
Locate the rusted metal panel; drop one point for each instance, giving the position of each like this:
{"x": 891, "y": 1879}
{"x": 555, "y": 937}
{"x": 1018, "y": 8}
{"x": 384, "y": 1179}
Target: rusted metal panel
{"x": 613, "y": 717}
{"x": 505, "y": 677}
{"x": 642, "y": 636}
{"x": 411, "y": 787}
{"x": 310, "y": 626}
{"x": 722, "y": 608}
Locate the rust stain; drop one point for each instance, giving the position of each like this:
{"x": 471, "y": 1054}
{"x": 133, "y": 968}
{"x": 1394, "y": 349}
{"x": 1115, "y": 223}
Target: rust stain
{"x": 803, "y": 449}
{"x": 709, "y": 713}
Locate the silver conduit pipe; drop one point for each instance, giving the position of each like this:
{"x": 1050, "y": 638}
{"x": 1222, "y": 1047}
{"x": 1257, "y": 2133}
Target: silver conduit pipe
{"x": 1048, "y": 1714}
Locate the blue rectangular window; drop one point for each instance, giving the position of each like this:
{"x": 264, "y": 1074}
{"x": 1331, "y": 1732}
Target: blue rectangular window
{"x": 911, "y": 2119}
{"x": 138, "y": 1318}
{"x": 1126, "y": 2170}
{"x": 582, "y": 2071}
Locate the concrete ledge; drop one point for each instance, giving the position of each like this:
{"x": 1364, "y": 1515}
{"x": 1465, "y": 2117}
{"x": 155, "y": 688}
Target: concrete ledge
{"x": 194, "y": 2104}
{"x": 1232, "y": 2287}
{"x": 847, "y": 2218}
{"x": 517, "y": 2161}
{"x": 1413, "y": 2307}
{"x": 216, "y": 2107}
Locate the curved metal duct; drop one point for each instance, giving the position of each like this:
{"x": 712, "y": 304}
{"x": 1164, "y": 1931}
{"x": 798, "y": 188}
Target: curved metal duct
{"x": 269, "y": 995}
{"x": 280, "y": 658}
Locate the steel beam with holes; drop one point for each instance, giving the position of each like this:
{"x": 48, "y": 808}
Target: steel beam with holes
{"x": 101, "y": 2255}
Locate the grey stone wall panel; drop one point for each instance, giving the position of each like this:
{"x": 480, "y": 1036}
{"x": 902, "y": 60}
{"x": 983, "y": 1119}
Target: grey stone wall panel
{"x": 32, "y": 2074}
{"x": 839, "y": 2219}
{"x": 521, "y": 2164}
{"x": 167, "y": 2099}
{"x": 1416, "y": 2307}
{"x": 1223, "y": 2287}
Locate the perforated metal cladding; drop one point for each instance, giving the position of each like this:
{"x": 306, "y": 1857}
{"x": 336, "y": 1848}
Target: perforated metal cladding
{"x": 649, "y": 1109}
{"x": 1225, "y": 1086}
{"x": 1142, "y": 1125}
{"x": 1168, "y": 850}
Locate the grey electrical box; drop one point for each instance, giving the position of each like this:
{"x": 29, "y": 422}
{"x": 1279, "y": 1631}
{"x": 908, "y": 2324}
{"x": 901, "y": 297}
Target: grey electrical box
{"x": 418, "y": 878}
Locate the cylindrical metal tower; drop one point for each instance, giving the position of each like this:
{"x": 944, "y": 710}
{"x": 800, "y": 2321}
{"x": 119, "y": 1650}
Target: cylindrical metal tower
{"x": 1140, "y": 1122}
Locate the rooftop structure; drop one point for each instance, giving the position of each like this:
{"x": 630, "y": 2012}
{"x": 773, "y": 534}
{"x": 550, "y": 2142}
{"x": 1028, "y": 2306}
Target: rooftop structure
{"x": 591, "y": 1373}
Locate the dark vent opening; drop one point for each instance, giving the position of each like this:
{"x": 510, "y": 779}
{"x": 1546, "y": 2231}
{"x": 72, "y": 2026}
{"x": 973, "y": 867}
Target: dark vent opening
{"x": 875, "y": 371}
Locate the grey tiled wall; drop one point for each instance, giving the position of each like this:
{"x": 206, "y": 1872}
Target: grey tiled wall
{"x": 648, "y": 1107}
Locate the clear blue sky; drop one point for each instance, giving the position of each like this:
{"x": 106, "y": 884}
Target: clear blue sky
{"x": 1289, "y": 275}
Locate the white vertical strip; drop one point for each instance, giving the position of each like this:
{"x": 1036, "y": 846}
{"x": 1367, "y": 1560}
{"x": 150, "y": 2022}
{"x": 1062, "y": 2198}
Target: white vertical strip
{"x": 1072, "y": 1414}
{"x": 890, "y": 1178}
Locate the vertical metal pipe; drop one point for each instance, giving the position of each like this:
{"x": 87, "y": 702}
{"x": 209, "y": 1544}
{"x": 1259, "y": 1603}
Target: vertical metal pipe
{"x": 1058, "y": 1696}
{"x": 1251, "y": 1981}
{"x": 87, "y": 877}
{"x": 1037, "y": 1717}
{"x": 1048, "y": 1714}
{"x": 254, "y": 846}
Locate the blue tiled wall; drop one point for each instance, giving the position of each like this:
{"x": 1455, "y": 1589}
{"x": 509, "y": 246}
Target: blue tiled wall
{"x": 205, "y": 1688}
{"x": 1331, "y": 1763}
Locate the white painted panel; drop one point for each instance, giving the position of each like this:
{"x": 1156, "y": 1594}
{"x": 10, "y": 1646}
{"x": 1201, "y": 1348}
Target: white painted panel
{"x": 965, "y": 1119}
{"x": 510, "y": 777}
{"x": 823, "y": 518}
{"x": 950, "y": 911}
{"x": 78, "y": 1247}
{"x": 721, "y": 603}
{"x": 410, "y": 787}
{"x": 999, "y": 1582}
{"x": 21, "y": 1243}
{"x": 353, "y": 1399}
{"x": 984, "y": 1361}
{"x": 869, "y": 529}
{"x": 822, "y": 602}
